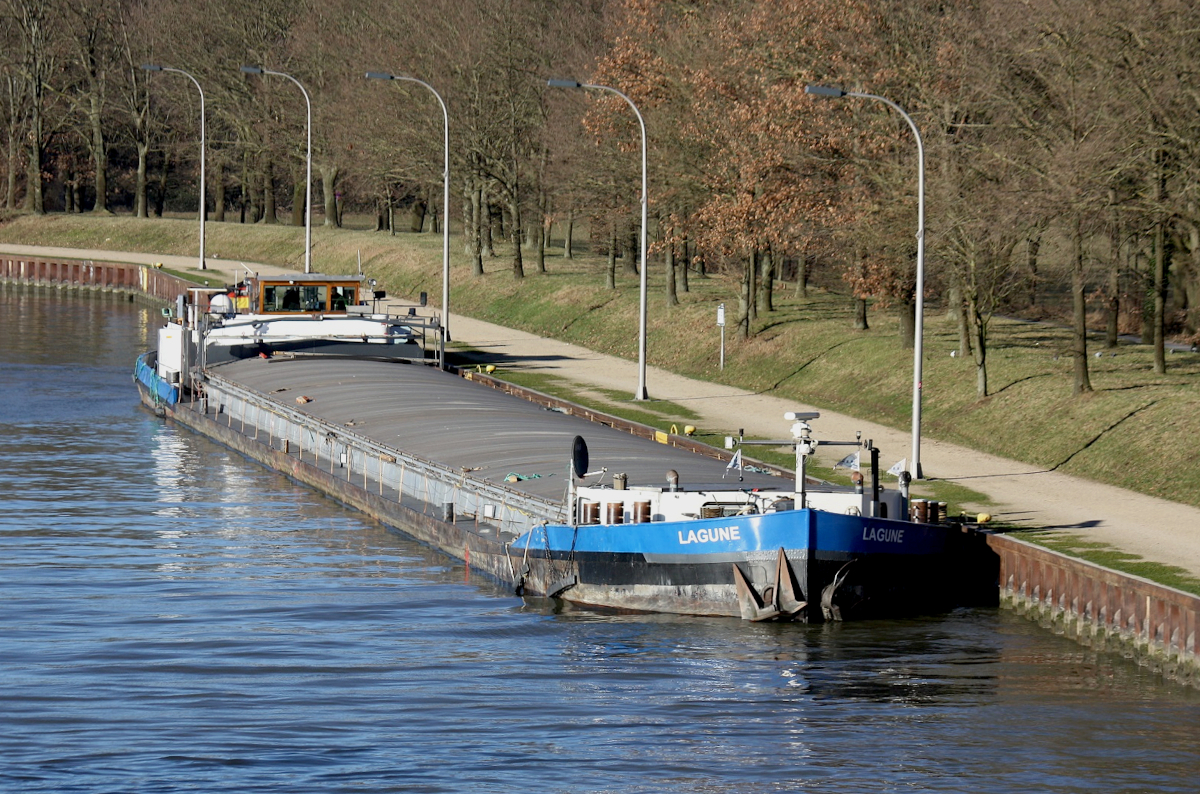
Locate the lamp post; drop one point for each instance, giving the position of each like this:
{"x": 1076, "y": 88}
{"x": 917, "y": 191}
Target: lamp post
{"x": 641, "y": 393}
{"x": 445, "y": 199}
{"x": 914, "y": 467}
{"x": 150, "y": 67}
{"x": 308, "y": 163}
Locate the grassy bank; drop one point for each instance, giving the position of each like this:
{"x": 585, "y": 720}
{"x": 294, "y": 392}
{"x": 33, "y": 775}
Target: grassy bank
{"x": 1133, "y": 431}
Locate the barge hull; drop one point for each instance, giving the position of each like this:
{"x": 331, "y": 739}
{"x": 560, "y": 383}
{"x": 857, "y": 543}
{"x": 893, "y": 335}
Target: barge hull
{"x": 339, "y": 442}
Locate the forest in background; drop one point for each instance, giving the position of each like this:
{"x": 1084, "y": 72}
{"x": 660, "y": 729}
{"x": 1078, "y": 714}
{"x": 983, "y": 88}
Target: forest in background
{"x": 1060, "y": 139}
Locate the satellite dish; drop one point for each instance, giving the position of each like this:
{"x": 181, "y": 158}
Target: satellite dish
{"x": 579, "y": 457}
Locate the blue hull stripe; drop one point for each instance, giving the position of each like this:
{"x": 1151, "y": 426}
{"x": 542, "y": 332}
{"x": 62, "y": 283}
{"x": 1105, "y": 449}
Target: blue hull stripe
{"x": 812, "y": 530}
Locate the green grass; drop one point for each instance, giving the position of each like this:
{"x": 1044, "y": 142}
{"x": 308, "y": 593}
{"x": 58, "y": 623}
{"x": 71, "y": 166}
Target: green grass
{"x": 1108, "y": 557}
{"x": 1134, "y": 431}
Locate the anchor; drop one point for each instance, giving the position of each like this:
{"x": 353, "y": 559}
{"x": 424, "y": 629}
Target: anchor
{"x": 830, "y": 610}
{"x": 778, "y": 600}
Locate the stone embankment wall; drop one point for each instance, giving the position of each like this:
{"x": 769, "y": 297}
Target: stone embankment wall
{"x": 1102, "y": 608}
{"x": 89, "y": 274}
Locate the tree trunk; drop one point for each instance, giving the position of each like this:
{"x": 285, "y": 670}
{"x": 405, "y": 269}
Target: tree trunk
{"x": 860, "y": 315}
{"x": 218, "y": 180}
{"x": 766, "y": 293}
{"x": 416, "y": 216}
{"x": 669, "y": 264}
{"x": 245, "y": 198}
{"x": 684, "y": 265}
{"x": 1160, "y": 296}
{"x": 860, "y": 302}
{"x": 745, "y": 301}
{"x": 1033, "y": 244}
{"x": 1190, "y": 283}
{"x": 268, "y": 193}
{"x": 34, "y": 199}
{"x": 1113, "y": 298}
{"x": 10, "y": 187}
{"x": 568, "y": 235}
{"x": 979, "y": 351}
{"x": 99, "y": 154}
{"x": 1160, "y": 269}
{"x": 475, "y": 232}
{"x": 1082, "y": 383}
{"x": 1144, "y": 266}
{"x": 298, "y": 201}
{"x": 160, "y": 200}
{"x": 610, "y": 273}
{"x": 329, "y": 177}
{"x": 802, "y": 275}
{"x": 752, "y": 291}
{"x": 10, "y": 191}
{"x": 486, "y": 238}
{"x": 140, "y": 203}
{"x": 631, "y": 253}
{"x": 518, "y": 263}
{"x": 540, "y": 245}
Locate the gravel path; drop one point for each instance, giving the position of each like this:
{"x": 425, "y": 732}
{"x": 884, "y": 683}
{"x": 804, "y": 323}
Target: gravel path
{"x": 1152, "y": 528}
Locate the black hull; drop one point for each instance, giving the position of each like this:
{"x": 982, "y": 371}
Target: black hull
{"x": 834, "y": 587}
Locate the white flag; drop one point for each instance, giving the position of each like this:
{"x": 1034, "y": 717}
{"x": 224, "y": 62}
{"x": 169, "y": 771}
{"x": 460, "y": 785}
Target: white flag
{"x": 851, "y": 461}
{"x": 898, "y": 467}
{"x": 736, "y": 461}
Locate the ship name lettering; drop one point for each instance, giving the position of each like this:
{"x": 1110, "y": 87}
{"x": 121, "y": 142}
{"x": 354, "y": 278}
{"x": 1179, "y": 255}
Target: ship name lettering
{"x": 883, "y": 534}
{"x": 714, "y": 535}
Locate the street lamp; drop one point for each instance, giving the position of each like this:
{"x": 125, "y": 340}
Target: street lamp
{"x": 914, "y": 467}
{"x": 445, "y": 199}
{"x": 308, "y": 161}
{"x": 150, "y": 67}
{"x": 641, "y": 388}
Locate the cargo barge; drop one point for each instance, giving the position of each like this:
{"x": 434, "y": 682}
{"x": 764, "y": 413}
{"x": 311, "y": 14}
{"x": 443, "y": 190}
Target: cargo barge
{"x": 562, "y": 502}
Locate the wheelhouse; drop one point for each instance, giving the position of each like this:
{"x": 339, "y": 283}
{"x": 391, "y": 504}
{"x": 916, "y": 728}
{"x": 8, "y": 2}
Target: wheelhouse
{"x": 308, "y": 294}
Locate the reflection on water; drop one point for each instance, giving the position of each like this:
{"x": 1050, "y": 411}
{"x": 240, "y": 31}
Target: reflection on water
{"x": 178, "y": 619}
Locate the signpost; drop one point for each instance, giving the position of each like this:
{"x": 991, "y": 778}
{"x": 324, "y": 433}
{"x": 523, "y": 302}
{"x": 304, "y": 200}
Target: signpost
{"x": 721, "y": 323}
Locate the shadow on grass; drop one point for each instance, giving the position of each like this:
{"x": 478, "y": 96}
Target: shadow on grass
{"x": 1021, "y": 380}
{"x": 588, "y": 311}
{"x": 803, "y": 366}
{"x": 1103, "y": 433}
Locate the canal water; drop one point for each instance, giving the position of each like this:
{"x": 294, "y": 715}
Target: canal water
{"x": 176, "y": 618}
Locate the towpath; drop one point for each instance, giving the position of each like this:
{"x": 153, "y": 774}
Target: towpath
{"x": 1155, "y": 529}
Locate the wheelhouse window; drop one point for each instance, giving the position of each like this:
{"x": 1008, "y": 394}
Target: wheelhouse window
{"x": 341, "y": 297}
{"x": 308, "y": 297}
{"x": 313, "y": 297}
{"x": 283, "y": 298}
